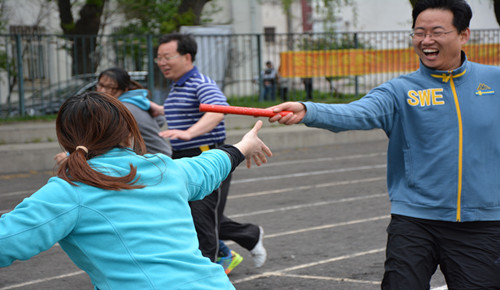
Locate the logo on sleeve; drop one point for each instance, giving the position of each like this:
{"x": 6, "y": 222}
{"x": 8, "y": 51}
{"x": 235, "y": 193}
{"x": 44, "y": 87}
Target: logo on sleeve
{"x": 483, "y": 89}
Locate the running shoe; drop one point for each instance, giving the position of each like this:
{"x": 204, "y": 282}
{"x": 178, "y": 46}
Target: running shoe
{"x": 259, "y": 253}
{"x": 230, "y": 262}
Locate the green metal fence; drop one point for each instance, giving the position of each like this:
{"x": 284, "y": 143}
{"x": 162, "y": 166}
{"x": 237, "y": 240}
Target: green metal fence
{"x": 38, "y": 72}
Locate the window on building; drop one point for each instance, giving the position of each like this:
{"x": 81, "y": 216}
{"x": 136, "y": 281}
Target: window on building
{"x": 269, "y": 34}
{"x": 33, "y": 50}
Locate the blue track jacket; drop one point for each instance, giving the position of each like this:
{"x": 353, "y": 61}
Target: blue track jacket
{"x": 128, "y": 239}
{"x": 444, "y": 139}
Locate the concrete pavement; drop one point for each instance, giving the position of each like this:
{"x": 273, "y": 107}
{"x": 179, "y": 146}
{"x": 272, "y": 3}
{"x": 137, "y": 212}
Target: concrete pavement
{"x": 29, "y": 146}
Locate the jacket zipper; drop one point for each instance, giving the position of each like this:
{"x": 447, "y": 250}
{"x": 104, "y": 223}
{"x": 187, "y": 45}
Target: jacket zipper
{"x": 445, "y": 79}
{"x": 460, "y": 149}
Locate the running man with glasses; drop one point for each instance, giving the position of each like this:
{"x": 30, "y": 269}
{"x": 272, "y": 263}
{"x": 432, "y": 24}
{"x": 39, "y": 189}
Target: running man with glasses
{"x": 191, "y": 132}
{"x": 443, "y": 172}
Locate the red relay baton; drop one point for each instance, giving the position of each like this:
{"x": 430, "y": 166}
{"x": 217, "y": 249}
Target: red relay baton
{"x": 256, "y": 112}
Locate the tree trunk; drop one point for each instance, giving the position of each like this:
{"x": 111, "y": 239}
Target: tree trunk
{"x": 496, "y": 8}
{"x": 83, "y": 33}
{"x": 193, "y": 6}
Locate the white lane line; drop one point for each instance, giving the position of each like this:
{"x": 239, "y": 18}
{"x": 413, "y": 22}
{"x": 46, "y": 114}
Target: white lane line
{"x": 317, "y": 228}
{"x": 329, "y": 226}
{"x": 23, "y": 192}
{"x": 321, "y": 203}
{"x": 301, "y": 174}
{"x": 316, "y": 160}
{"x": 335, "y": 259}
{"x": 43, "y": 280}
{"x": 312, "y": 277}
{"x": 308, "y": 265}
{"x": 306, "y": 187}
{"x": 344, "y": 280}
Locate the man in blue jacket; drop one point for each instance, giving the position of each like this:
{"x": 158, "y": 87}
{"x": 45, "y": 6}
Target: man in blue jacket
{"x": 443, "y": 172}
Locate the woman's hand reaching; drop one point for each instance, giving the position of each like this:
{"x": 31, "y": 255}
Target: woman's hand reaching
{"x": 253, "y": 148}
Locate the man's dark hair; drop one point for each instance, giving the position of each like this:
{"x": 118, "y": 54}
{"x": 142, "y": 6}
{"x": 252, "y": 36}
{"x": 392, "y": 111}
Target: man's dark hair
{"x": 185, "y": 43}
{"x": 462, "y": 12}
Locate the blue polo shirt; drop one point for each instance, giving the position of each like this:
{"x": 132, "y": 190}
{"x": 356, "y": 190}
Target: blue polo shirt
{"x": 182, "y": 108}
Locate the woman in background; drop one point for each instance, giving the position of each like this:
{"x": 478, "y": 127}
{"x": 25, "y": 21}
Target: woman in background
{"x": 117, "y": 82}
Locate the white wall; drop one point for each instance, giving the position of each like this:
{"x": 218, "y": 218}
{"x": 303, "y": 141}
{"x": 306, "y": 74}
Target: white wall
{"x": 381, "y": 15}
{"x": 33, "y": 12}
{"x": 390, "y": 15}
{"x": 483, "y": 16}
{"x": 246, "y": 16}
{"x": 251, "y": 16}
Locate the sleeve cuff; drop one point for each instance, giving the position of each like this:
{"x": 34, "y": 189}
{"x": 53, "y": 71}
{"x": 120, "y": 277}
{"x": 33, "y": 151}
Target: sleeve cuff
{"x": 235, "y": 156}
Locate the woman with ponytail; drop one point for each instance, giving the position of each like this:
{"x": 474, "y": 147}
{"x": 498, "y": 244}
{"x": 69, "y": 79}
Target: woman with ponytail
{"x": 122, "y": 215}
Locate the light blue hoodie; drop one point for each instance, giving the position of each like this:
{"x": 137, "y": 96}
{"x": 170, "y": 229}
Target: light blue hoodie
{"x": 138, "y": 104}
{"x": 129, "y": 239}
{"x": 444, "y": 139}
{"x": 138, "y": 98}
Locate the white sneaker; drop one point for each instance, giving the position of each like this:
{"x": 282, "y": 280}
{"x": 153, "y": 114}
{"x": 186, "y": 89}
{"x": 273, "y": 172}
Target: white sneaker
{"x": 259, "y": 253}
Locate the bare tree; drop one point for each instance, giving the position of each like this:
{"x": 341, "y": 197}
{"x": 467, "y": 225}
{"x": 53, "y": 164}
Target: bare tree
{"x": 193, "y": 7}
{"x": 496, "y": 8}
{"x": 160, "y": 16}
{"x": 155, "y": 16}
{"x": 83, "y": 33}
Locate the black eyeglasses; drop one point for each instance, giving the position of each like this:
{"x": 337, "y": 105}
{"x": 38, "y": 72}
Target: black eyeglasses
{"x": 433, "y": 35}
{"x": 165, "y": 58}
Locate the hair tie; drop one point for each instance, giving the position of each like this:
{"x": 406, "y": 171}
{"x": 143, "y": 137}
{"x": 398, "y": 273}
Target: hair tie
{"x": 83, "y": 148}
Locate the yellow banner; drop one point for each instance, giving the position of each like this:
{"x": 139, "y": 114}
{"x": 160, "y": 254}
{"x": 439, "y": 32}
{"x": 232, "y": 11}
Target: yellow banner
{"x": 353, "y": 62}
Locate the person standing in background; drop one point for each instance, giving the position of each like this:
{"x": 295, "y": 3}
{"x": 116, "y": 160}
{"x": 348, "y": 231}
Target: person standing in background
{"x": 308, "y": 88}
{"x": 269, "y": 81}
{"x": 284, "y": 84}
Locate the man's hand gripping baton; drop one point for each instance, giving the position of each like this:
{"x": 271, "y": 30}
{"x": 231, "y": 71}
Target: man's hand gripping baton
{"x": 256, "y": 112}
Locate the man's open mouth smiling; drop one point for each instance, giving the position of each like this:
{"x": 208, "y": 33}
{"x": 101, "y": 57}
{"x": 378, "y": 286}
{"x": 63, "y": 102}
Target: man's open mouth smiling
{"x": 430, "y": 51}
